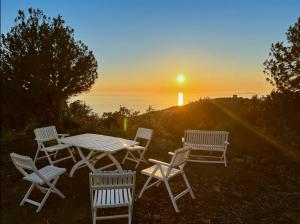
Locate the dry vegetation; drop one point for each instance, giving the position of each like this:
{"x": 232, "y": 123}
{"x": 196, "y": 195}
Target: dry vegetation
{"x": 260, "y": 184}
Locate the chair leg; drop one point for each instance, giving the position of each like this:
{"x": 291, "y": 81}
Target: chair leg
{"x": 71, "y": 153}
{"x": 55, "y": 155}
{"x": 157, "y": 185}
{"x": 27, "y": 194}
{"x": 49, "y": 158}
{"x": 224, "y": 157}
{"x": 94, "y": 215}
{"x": 141, "y": 159}
{"x": 188, "y": 185}
{"x": 136, "y": 166}
{"x": 42, "y": 189}
{"x": 144, "y": 160}
{"x": 125, "y": 157}
{"x": 138, "y": 163}
{"x": 171, "y": 196}
{"x": 44, "y": 200}
{"x": 55, "y": 190}
{"x": 145, "y": 185}
{"x": 36, "y": 154}
{"x": 129, "y": 214}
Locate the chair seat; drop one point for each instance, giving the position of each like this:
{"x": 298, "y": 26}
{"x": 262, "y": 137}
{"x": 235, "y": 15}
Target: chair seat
{"x": 135, "y": 147}
{"x": 48, "y": 172}
{"x": 55, "y": 148}
{"x": 158, "y": 173}
{"x": 112, "y": 198}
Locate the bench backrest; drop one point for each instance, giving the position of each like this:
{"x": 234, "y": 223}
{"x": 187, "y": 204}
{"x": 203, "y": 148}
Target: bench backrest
{"x": 193, "y": 138}
{"x": 46, "y": 134}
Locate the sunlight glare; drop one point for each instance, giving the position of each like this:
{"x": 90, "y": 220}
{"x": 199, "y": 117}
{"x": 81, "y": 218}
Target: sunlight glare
{"x": 125, "y": 124}
{"x": 180, "y": 99}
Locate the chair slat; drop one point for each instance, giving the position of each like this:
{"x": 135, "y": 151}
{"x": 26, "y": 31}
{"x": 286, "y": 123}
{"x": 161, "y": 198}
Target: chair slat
{"x": 103, "y": 199}
{"x": 121, "y": 195}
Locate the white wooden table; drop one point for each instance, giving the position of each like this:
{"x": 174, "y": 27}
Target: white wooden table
{"x": 101, "y": 145}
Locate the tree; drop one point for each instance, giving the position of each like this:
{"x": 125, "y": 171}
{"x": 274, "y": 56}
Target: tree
{"x": 283, "y": 66}
{"x": 115, "y": 122}
{"x": 42, "y": 66}
{"x": 150, "y": 109}
{"x": 80, "y": 117}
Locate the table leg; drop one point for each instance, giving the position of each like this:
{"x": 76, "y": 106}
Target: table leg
{"x": 115, "y": 161}
{"x": 84, "y": 160}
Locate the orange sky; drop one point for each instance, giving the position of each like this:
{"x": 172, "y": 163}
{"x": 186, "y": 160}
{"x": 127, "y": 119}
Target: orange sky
{"x": 203, "y": 77}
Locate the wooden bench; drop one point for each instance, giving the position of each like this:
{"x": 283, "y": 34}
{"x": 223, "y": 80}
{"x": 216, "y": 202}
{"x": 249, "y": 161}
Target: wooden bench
{"x": 210, "y": 146}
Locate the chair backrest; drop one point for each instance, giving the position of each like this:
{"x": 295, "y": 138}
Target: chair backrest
{"x": 179, "y": 158}
{"x": 144, "y": 133}
{"x": 23, "y": 163}
{"x": 106, "y": 180}
{"x": 193, "y": 138}
{"x": 46, "y": 134}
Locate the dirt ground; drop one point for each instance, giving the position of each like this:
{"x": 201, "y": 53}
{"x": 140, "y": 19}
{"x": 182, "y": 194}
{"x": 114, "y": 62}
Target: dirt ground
{"x": 249, "y": 190}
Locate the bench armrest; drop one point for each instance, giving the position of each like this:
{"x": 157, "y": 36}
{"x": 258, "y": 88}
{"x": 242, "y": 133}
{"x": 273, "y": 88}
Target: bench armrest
{"x": 38, "y": 140}
{"x": 158, "y": 162}
{"x": 226, "y": 142}
{"x": 182, "y": 140}
{"x": 171, "y": 153}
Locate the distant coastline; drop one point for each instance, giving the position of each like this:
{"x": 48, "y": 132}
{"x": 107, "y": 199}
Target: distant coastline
{"x": 109, "y": 102}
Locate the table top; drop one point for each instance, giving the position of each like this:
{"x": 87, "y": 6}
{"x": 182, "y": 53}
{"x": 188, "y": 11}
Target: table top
{"x": 101, "y": 143}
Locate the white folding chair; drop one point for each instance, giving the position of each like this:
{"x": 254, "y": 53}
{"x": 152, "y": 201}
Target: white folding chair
{"x": 47, "y": 176}
{"x": 112, "y": 189}
{"x": 163, "y": 172}
{"x": 49, "y": 134}
{"x": 136, "y": 153}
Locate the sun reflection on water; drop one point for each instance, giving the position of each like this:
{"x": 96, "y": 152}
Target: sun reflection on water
{"x": 180, "y": 99}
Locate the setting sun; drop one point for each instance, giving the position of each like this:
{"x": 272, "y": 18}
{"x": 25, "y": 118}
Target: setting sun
{"x": 180, "y": 78}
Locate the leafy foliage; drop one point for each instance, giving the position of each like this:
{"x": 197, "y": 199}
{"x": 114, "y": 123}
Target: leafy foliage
{"x": 283, "y": 67}
{"x": 114, "y": 122}
{"x": 80, "y": 116}
{"x": 41, "y": 67}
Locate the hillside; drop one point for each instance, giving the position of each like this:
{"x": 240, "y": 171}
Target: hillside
{"x": 260, "y": 184}
{"x": 218, "y": 114}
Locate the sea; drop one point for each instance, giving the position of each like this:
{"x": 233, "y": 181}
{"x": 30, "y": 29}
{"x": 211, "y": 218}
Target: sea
{"x": 110, "y": 102}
